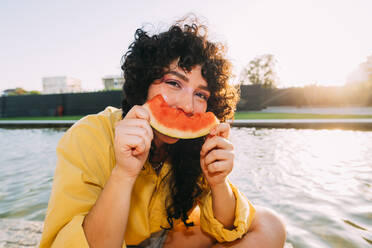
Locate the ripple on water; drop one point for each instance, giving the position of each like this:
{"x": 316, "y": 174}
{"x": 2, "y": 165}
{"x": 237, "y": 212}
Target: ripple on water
{"x": 26, "y": 171}
{"x": 318, "y": 180}
{"x": 314, "y": 178}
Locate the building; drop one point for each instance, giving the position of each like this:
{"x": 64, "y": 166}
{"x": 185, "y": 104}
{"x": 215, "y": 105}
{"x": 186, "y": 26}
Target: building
{"x": 14, "y": 92}
{"x": 8, "y": 92}
{"x": 57, "y": 85}
{"x": 113, "y": 82}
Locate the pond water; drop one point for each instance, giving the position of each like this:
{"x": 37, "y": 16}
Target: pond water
{"x": 318, "y": 180}
{"x": 320, "y": 110}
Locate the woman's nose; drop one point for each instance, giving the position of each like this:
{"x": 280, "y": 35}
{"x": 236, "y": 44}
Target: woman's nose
{"x": 185, "y": 102}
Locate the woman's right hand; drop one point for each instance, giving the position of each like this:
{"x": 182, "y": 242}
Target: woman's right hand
{"x": 133, "y": 136}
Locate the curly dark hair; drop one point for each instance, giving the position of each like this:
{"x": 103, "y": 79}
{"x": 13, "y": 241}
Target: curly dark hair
{"x": 146, "y": 60}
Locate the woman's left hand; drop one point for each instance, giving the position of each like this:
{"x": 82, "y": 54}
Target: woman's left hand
{"x": 217, "y": 155}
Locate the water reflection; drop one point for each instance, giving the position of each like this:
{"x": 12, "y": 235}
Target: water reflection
{"x": 316, "y": 178}
{"x": 27, "y": 165}
{"x": 319, "y": 180}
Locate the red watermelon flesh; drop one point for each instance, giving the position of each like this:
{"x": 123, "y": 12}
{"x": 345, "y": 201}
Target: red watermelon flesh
{"x": 175, "y": 123}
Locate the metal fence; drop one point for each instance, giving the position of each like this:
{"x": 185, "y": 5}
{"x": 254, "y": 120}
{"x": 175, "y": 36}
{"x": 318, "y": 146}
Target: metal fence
{"x": 58, "y": 104}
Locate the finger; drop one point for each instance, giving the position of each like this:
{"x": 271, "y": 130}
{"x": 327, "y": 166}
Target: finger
{"x": 222, "y": 129}
{"x": 125, "y": 123}
{"x": 138, "y": 112}
{"x": 215, "y": 142}
{"x": 136, "y": 144}
{"x": 139, "y": 131}
{"x": 218, "y": 155}
{"x": 214, "y": 176}
{"x": 203, "y": 166}
{"x": 219, "y": 166}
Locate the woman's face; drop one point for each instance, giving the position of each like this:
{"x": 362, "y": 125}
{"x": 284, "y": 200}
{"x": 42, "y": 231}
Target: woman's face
{"x": 187, "y": 91}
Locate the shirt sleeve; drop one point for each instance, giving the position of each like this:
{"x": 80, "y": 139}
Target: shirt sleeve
{"x": 85, "y": 160}
{"x": 244, "y": 213}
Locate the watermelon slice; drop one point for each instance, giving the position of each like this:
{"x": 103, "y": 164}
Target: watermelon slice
{"x": 175, "y": 123}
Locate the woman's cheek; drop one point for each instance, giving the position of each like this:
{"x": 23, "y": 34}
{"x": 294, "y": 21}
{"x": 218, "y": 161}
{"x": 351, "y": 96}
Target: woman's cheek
{"x": 170, "y": 98}
{"x": 200, "y": 106}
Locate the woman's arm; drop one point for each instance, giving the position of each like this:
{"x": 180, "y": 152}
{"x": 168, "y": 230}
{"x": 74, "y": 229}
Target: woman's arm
{"x": 217, "y": 159}
{"x": 106, "y": 222}
{"x": 223, "y": 203}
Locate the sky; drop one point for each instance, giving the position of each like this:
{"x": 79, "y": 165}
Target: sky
{"x": 314, "y": 42}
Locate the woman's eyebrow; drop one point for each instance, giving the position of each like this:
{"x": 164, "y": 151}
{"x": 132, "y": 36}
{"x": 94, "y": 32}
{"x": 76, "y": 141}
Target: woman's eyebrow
{"x": 177, "y": 74}
{"x": 183, "y": 77}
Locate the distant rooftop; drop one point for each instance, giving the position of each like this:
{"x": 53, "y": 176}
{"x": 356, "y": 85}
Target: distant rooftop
{"x": 112, "y": 76}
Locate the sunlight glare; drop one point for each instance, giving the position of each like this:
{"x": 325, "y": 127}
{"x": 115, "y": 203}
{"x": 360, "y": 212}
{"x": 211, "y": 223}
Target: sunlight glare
{"x": 328, "y": 150}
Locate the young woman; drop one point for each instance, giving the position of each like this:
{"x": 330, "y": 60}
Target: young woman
{"x": 120, "y": 183}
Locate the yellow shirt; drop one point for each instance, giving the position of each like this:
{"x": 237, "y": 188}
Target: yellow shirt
{"x": 85, "y": 160}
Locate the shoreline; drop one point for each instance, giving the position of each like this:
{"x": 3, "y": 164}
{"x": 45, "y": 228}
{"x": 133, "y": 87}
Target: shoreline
{"x": 20, "y": 233}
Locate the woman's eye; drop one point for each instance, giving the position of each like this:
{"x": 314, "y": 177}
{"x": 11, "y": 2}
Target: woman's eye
{"x": 173, "y": 83}
{"x": 202, "y": 96}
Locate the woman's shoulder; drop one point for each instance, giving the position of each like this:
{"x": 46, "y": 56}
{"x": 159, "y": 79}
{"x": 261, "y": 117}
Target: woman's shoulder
{"x": 109, "y": 117}
{"x": 99, "y": 126}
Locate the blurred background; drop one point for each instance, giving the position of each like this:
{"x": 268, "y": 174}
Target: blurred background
{"x": 292, "y": 59}
{"x": 310, "y": 42}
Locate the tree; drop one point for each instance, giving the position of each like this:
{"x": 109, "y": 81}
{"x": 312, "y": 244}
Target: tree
{"x": 34, "y": 92}
{"x": 261, "y": 71}
{"x": 359, "y": 83}
{"x": 18, "y": 91}
{"x": 362, "y": 75}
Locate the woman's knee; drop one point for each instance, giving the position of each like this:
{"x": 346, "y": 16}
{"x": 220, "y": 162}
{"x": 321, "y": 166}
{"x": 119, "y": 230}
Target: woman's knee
{"x": 270, "y": 225}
